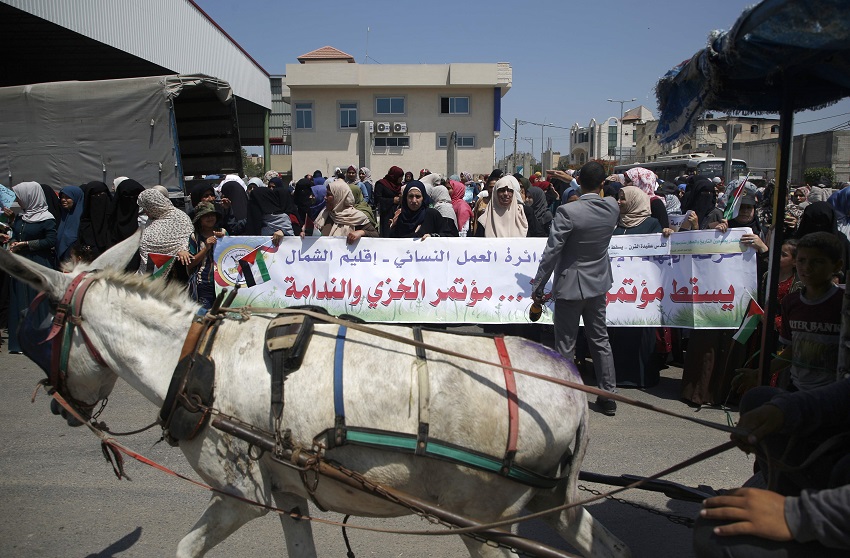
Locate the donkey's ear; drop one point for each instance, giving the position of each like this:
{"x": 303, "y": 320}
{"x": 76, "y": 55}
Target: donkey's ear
{"x": 39, "y": 277}
{"x": 116, "y": 257}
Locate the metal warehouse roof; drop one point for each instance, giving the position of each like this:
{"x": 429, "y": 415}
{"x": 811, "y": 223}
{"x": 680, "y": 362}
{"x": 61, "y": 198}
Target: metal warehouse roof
{"x": 57, "y": 40}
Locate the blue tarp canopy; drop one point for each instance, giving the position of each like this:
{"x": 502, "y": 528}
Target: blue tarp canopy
{"x": 778, "y": 51}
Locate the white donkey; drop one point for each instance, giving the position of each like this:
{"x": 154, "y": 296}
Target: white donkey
{"x": 138, "y": 327}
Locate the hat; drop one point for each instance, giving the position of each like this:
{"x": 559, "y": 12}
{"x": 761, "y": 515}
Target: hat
{"x": 204, "y": 208}
{"x": 717, "y": 180}
{"x": 748, "y": 199}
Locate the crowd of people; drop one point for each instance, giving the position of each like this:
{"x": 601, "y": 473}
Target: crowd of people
{"x": 578, "y": 211}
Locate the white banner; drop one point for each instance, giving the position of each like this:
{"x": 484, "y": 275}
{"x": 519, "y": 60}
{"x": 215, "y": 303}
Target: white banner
{"x": 468, "y": 280}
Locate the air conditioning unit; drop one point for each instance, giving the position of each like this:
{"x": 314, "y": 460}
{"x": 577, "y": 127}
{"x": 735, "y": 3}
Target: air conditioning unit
{"x": 370, "y": 126}
{"x": 383, "y": 128}
{"x": 400, "y": 127}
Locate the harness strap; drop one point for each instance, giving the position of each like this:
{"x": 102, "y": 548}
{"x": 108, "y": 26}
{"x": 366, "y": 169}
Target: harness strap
{"x": 421, "y": 365}
{"x": 64, "y": 306}
{"x": 513, "y": 404}
{"x": 339, "y": 404}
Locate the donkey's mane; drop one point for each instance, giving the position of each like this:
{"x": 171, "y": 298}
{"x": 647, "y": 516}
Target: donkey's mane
{"x": 169, "y": 292}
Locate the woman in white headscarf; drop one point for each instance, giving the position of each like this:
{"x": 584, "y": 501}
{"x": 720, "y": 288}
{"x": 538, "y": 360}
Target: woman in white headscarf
{"x": 340, "y": 217}
{"x": 506, "y": 215}
{"x": 33, "y": 236}
{"x": 442, "y": 202}
{"x": 167, "y": 232}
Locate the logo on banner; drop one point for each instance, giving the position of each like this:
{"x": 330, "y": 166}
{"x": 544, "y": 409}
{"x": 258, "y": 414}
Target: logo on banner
{"x": 227, "y": 271}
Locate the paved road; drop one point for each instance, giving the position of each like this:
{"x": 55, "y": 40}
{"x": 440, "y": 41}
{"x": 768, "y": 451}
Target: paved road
{"x": 59, "y": 498}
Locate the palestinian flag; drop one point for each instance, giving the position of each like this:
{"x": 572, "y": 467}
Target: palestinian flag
{"x": 734, "y": 204}
{"x": 751, "y": 321}
{"x": 160, "y": 263}
{"x": 253, "y": 267}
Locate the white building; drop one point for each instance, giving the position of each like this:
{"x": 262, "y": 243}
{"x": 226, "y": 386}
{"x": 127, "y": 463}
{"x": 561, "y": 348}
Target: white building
{"x": 609, "y": 140}
{"x": 380, "y": 115}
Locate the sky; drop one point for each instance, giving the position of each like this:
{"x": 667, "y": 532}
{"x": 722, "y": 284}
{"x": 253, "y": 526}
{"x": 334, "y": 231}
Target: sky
{"x": 567, "y": 57}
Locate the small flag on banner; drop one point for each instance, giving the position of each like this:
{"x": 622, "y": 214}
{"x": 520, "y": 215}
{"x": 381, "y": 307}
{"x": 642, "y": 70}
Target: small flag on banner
{"x": 253, "y": 267}
{"x": 161, "y": 264}
{"x": 733, "y": 206}
{"x": 751, "y": 321}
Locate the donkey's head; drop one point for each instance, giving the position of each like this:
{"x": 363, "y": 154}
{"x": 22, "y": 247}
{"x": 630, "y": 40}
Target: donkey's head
{"x": 84, "y": 380}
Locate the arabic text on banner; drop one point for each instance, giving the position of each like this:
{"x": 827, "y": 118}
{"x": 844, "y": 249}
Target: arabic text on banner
{"x": 465, "y": 280}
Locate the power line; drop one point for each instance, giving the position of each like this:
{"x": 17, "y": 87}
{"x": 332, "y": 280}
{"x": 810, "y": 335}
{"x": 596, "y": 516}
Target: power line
{"x": 824, "y": 118}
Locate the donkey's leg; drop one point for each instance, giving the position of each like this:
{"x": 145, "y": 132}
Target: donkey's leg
{"x": 580, "y": 529}
{"x": 222, "y": 517}
{"x": 298, "y": 533}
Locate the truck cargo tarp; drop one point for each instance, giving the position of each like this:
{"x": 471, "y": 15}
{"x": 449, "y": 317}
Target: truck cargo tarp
{"x": 76, "y": 131}
{"x": 778, "y": 49}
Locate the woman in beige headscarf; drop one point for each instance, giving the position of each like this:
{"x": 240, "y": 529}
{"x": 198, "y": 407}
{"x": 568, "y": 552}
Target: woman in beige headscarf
{"x": 506, "y": 215}
{"x": 340, "y": 217}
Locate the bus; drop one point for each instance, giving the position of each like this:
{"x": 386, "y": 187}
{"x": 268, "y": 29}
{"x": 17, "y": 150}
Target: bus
{"x": 669, "y": 167}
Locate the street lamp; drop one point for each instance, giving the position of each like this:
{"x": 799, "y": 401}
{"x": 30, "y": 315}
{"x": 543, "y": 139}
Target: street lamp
{"x": 620, "y": 158}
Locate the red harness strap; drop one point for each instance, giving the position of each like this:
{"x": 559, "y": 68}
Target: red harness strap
{"x": 513, "y": 403}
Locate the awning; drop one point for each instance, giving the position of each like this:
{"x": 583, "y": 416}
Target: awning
{"x": 777, "y": 50}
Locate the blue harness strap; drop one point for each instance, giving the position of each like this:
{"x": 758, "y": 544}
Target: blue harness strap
{"x": 339, "y": 405}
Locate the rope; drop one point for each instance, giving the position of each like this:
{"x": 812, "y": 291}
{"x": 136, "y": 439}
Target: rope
{"x": 565, "y": 383}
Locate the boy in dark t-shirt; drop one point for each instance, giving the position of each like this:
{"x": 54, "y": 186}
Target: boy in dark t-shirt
{"x": 811, "y": 318}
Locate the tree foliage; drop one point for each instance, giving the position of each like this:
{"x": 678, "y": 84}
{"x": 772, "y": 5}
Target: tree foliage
{"x": 819, "y": 175}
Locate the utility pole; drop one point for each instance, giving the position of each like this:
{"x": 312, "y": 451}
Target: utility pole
{"x": 513, "y": 160}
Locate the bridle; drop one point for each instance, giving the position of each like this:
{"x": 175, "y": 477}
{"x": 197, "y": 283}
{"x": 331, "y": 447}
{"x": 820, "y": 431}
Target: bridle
{"x": 67, "y": 318}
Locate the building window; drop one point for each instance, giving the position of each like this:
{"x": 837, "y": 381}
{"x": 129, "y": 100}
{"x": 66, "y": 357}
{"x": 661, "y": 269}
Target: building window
{"x": 583, "y": 137}
{"x": 462, "y": 141}
{"x": 348, "y": 116}
{"x": 612, "y": 141}
{"x": 303, "y": 116}
{"x": 454, "y": 105}
{"x": 389, "y": 105}
{"x": 712, "y": 128}
{"x": 394, "y": 141}
{"x": 774, "y": 129}
{"x": 754, "y": 129}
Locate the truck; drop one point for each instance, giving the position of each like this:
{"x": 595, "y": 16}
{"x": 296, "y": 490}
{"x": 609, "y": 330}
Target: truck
{"x": 156, "y": 130}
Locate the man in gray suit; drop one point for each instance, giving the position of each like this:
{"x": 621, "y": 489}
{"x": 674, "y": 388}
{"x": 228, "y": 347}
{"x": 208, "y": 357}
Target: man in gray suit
{"x": 577, "y": 252}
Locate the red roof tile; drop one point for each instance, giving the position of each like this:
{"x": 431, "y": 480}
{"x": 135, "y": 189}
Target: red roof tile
{"x": 326, "y": 53}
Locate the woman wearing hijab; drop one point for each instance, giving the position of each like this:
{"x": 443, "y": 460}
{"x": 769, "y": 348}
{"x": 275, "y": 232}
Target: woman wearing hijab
{"x": 33, "y": 237}
{"x": 71, "y": 200}
{"x": 463, "y": 213}
{"x": 269, "y": 211}
{"x": 168, "y": 229}
{"x": 634, "y": 347}
{"x": 361, "y": 205}
{"x": 340, "y": 217}
{"x": 442, "y": 202}
{"x": 506, "y": 216}
{"x": 701, "y": 199}
{"x": 52, "y": 200}
{"x": 647, "y": 181}
{"x": 234, "y": 196}
{"x": 304, "y": 198}
{"x": 415, "y": 219}
{"x": 125, "y": 210}
{"x": 366, "y": 186}
{"x": 536, "y": 198}
{"x": 408, "y": 177}
{"x": 94, "y": 222}
{"x": 388, "y": 198}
